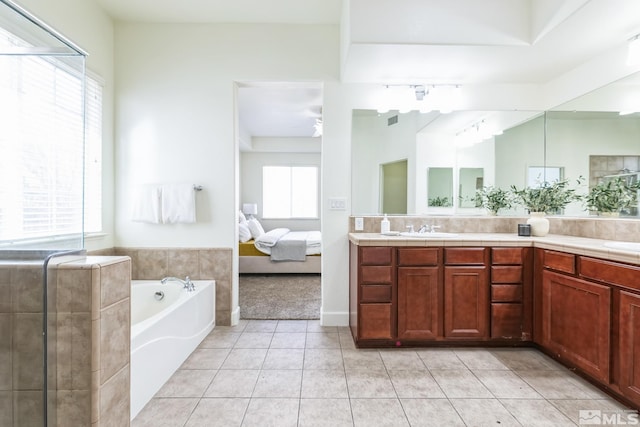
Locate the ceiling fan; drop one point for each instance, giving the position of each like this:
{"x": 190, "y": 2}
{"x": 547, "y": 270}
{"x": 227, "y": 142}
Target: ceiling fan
{"x": 317, "y": 128}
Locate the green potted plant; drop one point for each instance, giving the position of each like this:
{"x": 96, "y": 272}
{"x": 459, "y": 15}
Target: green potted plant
{"x": 493, "y": 199}
{"x": 439, "y": 201}
{"x": 548, "y": 198}
{"x": 611, "y": 196}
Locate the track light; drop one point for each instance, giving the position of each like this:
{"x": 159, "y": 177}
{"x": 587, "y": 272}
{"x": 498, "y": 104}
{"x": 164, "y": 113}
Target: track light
{"x": 423, "y": 98}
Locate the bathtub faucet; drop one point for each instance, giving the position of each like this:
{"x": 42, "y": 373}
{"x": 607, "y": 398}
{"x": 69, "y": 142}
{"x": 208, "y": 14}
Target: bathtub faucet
{"x": 187, "y": 283}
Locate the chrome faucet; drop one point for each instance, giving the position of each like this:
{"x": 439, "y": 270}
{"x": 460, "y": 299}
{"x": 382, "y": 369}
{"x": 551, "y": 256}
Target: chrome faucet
{"x": 433, "y": 228}
{"x": 423, "y": 229}
{"x": 186, "y": 283}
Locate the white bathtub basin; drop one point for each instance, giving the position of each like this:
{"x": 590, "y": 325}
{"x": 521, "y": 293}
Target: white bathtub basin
{"x": 625, "y": 246}
{"x": 434, "y": 235}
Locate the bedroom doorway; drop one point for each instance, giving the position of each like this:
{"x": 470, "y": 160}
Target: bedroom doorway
{"x": 279, "y": 143}
{"x": 393, "y": 187}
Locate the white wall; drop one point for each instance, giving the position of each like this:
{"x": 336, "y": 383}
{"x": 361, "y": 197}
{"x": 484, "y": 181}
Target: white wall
{"x": 91, "y": 29}
{"x": 251, "y": 164}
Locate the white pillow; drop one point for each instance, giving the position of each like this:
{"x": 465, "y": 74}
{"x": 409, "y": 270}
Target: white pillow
{"x": 241, "y": 218}
{"x": 255, "y": 227}
{"x": 244, "y": 234}
{"x": 271, "y": 237}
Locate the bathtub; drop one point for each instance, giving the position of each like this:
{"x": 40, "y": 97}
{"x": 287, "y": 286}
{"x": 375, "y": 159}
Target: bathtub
{"x": 167, "y": 324}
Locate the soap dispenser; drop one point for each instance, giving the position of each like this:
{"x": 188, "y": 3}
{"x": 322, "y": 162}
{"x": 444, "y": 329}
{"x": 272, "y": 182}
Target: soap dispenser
{"x": 385, "y": 225}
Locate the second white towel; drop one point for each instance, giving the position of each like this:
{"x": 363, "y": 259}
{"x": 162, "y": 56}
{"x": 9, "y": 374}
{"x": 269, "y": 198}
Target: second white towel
{"x": 178, "y": 203}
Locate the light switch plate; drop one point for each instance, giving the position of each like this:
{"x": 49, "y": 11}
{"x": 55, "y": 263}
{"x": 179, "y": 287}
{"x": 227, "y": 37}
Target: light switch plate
{"x": 338, "y": 203}
{"x": 359, "y": 225}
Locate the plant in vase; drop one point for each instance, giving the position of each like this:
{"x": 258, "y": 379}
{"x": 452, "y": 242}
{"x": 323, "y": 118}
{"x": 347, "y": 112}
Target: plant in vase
{"x": 493, "y": 199}
{"x": 612, "y": 196}
{"x": 548, "y": 198}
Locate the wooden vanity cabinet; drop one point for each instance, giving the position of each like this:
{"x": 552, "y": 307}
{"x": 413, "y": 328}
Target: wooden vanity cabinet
{"x": 466, "y": 293}
{"x": 511, "y": 284}
{"x": 372, "y": 300}
{"x": 419, "y": 293}
{"x": 629, "y": 346}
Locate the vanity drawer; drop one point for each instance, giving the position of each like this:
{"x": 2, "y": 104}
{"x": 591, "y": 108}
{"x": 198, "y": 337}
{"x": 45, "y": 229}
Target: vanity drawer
{"x": 506, "y": 274}
{"x": 506, "y": 293}
{"x": 506, "y": 256}
{"x": 418, "y": 256}
{"x": 376, "y": 255}
{"x": 375, "y": 293}
{"x": 610, "y": 272}
{"x": 375, "y": 275}
{"x": 560, "y": 261}
{"x": 465, "y": 256}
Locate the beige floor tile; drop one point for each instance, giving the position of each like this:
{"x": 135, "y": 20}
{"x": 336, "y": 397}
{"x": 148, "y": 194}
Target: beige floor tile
{"x": 279, "y": 358}
{"x": 571, "y": 408}
{"x": 233, "y": 383}
{"x": 325, "y": 413}
{"x": 362, "y": 359}
{"x": 324, "y": 384}
{"x": 218, "y": 339}
{"x": 261, "y": 326}
{"x": 272, "y": 413}
{"x": 245, "y": 358}
{"x": 291, "y": 326}
{"x": 397, "y": 360}
{"x": 378, "y": 413}
{"x": 431, "y": 412}
{"x": 206, "y": 358}
{"x": 536, "y": 413}
{"x": 506, "y": 384}
{"x": 236, "y": 328}
{"x": 364, "y": 384}
{"x": 478, "y": 358}
{"x": 460, "y": 384}
{"x": 484, "y": 412}
{"x": 288, "y": 340}
{"x": 415, "y": 384}
{"x": 165, "y": 412}
{"x": 323, "y": 358}
{"x": 278, "y": 383}
{"x": 187, "y": 383}
{"x": 346, "y": 341}
{"x": 219, "y": 412}
{"x": 436, "y": 358}
{"x": 322, "y": 340}
{"x": 525, "y": 359}
{"x": 556, "y": 385}
{"x": 315, "y": 326}
{"x": 254, "y": 340}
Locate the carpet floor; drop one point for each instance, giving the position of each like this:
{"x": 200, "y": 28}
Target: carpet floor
{"x": 280, "y": 296}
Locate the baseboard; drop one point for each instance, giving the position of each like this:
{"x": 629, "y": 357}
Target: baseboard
{"x": 235, "y": 316}
{"x": 334, "y": 318}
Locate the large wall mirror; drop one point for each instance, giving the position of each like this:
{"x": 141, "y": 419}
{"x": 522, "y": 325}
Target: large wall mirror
{"x": 587, "y": 137}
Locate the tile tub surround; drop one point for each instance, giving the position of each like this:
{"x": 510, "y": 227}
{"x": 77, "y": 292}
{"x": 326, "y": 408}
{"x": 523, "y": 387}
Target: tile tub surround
{"x": 197, "y": 263}
{"x": 300, "y": 373}
{"x": 590, "y": 227}
{"x": 89, "y": 332}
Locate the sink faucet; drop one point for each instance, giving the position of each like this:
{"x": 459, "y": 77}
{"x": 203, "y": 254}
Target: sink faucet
{"x": 423, "y": 229}
{"x": 433, "y": 228}
{"x": 410, "y": 228}
{"x": 186, "y": 283}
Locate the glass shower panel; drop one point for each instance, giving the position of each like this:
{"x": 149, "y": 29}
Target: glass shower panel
{"x": 42, "y": 111}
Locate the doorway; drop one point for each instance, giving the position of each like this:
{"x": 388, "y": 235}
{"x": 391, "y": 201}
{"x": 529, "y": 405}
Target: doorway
{"x": 393, "y": 183}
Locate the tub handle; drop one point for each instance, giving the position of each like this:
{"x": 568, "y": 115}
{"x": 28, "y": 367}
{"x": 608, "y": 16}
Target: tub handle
{"x": 159, "y": 295}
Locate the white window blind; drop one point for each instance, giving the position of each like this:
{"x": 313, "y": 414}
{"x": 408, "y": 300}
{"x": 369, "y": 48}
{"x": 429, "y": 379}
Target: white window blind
{"x": 289, "y": 192}
{"x": 42, "y": 150}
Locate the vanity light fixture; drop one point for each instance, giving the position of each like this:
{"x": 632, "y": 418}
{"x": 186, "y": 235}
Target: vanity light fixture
{"x": 633, "y": 51}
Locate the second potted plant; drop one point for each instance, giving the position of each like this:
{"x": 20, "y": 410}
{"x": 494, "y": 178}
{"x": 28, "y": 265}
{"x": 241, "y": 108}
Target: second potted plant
{"x": 493, "y": 199}
{"x": 612, "y": 196}
{"x": 548, "y": 198}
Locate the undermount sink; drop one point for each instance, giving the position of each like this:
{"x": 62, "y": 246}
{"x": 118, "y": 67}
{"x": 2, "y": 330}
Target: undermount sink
{"x": 428, "y": 235}
{"x": 625, "y": 246}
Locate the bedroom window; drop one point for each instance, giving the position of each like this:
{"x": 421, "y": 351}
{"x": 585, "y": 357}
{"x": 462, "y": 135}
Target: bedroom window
{"x": 289, "y": 192}
{"x": 46, "y": 169}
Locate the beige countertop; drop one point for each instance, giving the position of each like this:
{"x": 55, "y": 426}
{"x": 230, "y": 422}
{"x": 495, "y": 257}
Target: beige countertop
{"x": 571, "y": 244}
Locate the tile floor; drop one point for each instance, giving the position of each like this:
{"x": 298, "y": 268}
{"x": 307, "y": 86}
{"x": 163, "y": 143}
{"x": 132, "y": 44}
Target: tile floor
{"x": 298, "y": 373}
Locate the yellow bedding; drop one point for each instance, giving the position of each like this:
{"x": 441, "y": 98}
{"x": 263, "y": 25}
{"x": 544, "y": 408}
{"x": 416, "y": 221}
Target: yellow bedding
{"x": 249, "y": 249}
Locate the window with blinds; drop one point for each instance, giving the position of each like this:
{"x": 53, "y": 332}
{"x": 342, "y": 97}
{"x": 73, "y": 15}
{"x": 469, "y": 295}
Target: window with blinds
{"x": 50, "y": 150}
{"x": 289, "y": 192}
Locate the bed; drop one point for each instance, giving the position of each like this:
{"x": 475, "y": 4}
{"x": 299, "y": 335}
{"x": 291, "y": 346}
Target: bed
{"x": 281, "y": 251}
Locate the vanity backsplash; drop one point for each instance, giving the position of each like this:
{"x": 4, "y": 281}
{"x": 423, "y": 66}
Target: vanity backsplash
{"x": 596, "y": 227}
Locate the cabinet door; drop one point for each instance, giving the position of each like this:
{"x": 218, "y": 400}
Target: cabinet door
{"x": 575, "y": 322}
{"x": 630, "y": 345}
{"x": 466, "y": 302}
{"x": 418, "y": 302}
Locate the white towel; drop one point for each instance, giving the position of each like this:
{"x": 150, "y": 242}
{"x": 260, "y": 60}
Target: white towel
{"x": 146, "y": 205}
{"x": 178, "y": 203}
